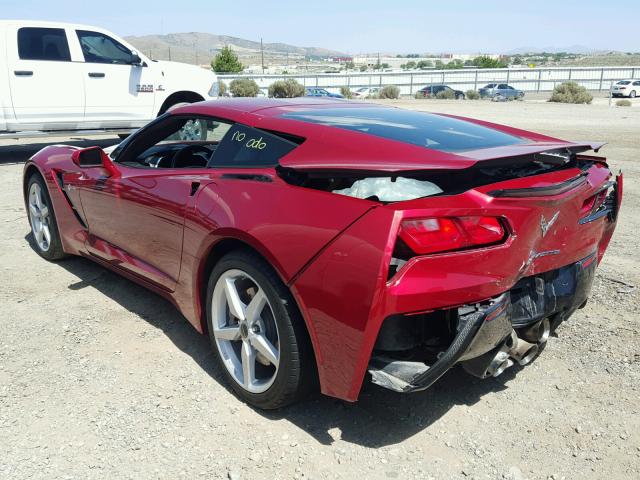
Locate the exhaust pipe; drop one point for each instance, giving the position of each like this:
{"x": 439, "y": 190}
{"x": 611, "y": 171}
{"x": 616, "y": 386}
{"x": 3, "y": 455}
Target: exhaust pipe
{"x": 536, "y": 333}
{"x": 523, "y": 352}
{"x": 499, "y": 364}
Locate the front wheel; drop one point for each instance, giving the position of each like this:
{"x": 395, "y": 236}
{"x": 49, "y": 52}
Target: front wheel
{"x": 43, "y": 220}
{"x": 256, "y": 332}
{"x": 632, "y": 94}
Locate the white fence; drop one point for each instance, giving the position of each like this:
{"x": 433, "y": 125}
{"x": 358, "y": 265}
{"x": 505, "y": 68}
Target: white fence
{"x": 527, "y": 79}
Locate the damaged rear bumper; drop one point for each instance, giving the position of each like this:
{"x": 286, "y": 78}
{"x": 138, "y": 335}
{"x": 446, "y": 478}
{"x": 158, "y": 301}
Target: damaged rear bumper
{"x": 492, "y": 336}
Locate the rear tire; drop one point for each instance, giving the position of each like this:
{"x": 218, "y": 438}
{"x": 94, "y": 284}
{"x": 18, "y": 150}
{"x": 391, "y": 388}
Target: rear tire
{"x": 264, "y": 351}
{"x": 632, "y": 94}
{"x": 42, "y": 219}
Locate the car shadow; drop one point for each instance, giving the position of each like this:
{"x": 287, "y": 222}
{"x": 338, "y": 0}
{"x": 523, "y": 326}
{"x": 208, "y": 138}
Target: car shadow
{"x": 379, "y": 418}
{"x": 20, "y": 152}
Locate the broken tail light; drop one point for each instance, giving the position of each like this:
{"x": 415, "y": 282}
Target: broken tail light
{"x": 593, "y": 203}
{"x": 436, "y": 235}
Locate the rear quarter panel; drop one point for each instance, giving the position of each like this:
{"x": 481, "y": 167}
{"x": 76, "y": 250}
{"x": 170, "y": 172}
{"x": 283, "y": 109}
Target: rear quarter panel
{"x": 287, "y": 225}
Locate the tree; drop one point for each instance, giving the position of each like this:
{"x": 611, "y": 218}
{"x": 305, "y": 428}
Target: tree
{"x": 485, "y": 61}
{"x": 454, "y": 64}
{"x": 363, "y": 68}
{"x": 384, "y": 66}
{"x": 226, "y": 61}
{"x": 410, "y": 65}
{"x": 422, "y": 64}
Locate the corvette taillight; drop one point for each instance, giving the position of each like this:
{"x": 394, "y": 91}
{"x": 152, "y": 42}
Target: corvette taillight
{"x": 444, "y": 234}
{"x": 593, "y": 203}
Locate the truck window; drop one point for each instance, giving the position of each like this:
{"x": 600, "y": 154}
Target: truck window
{"x": 43, "y": 44}
{"x": 99, "y": 48}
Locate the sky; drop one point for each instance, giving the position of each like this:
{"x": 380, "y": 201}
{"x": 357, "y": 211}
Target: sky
{"x": 358, "y": 27}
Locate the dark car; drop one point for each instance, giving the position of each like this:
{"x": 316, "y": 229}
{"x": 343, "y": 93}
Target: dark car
{"x": 500, "y": 91}
{"x": 433, "y": 90}
{"x": 321, "y": 92}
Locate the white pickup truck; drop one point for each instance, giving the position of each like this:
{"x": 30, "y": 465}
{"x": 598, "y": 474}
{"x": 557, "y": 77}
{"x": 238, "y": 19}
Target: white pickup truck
{"x": 59, "y": 78}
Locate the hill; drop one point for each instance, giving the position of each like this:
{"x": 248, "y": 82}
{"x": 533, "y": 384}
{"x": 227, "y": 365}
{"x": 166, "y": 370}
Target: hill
{"x": 200, "y": 48}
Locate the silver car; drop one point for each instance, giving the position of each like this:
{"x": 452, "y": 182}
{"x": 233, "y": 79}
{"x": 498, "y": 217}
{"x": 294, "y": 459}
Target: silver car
{"x": 626, "y": 88}
{"x": 500, "y": 91}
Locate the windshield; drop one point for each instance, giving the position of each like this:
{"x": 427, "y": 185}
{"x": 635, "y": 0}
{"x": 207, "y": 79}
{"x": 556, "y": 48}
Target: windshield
{"x": 418, "y": 128}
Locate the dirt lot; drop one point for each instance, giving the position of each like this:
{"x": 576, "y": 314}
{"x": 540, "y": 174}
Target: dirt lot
{"x": 102, "y": 379}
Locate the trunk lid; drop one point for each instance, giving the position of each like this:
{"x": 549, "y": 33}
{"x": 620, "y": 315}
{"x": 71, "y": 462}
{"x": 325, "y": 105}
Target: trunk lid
{"x": 437, "y": 160}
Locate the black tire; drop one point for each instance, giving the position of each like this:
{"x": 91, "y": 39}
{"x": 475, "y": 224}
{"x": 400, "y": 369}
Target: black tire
{"x": 296, "y": 376}
{"x": 632, "y": 94}
{"x": 54, "y": 250}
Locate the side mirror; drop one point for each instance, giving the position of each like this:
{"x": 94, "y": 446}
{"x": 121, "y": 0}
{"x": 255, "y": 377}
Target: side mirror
{"x": 94, "y": 157}
{"x": 135, "y": 59}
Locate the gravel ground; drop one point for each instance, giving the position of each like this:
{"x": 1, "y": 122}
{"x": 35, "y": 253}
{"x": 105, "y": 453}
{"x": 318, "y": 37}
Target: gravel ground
{"x": 101, "y": 379}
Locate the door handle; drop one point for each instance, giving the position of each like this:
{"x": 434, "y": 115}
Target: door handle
{"x": 96, "y": 74}
{"x": 23, "y": 73}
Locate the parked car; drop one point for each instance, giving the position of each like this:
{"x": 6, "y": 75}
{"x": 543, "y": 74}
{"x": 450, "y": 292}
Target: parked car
{"x": 317, "y": 241}
{"x": 626, "y": 88}
{"x": 365, "y": 92}
{"x": 320, "y": 92}
{"x": 433, "y": 90}
{"x": 60, "y": 77}
{"x": 499, "y": 91}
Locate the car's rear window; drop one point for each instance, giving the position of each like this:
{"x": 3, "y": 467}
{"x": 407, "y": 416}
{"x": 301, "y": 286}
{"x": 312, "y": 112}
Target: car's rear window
{"x": 624, "y": 82}
{"x": 246, "y": 147}
{"x": 418, "y": 128}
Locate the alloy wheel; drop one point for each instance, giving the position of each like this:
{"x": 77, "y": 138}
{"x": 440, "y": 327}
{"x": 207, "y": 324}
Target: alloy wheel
{"x": 245, "y": 331}
{"x": 39, "y": 217}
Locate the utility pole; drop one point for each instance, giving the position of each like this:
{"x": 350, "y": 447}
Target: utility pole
{"x": 262, "y": 55}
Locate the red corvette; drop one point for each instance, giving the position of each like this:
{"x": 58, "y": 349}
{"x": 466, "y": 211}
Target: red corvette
{"x": 324, "y": 240}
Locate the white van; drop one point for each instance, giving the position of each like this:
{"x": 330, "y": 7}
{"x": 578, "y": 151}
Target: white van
{"x": 59, "y": 77}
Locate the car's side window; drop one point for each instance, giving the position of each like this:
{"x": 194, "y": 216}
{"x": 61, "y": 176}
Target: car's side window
{"x": 247, "y": 147}
{"x": 43, "y": 44}
{"x": 173, "y": 142}
{"x": 100, "y": 48}
{"x": 636, "y": 83}
{"x": 502, "y": 86}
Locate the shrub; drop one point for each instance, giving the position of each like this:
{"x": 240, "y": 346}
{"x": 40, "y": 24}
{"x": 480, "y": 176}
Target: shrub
{"x": 346, "y": 92}
{"x": 570, "y": 92}
{"x": 288, "y": 88}
{"x": 623, "y": 103}
{"x": 244, "y": 87}
{"x": 222, "y": 88}
{"x": 446, "y": 95}
{"x": 419, "y": 96}
{"x": 389, "y": 91}
{"x": 226, "y": 61}
{"x": 472, "y": 95}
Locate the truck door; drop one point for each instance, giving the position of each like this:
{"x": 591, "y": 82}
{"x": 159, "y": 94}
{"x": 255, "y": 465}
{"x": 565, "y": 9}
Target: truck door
{"x": 119, "y": 91}
{"x": 46, "y": 86}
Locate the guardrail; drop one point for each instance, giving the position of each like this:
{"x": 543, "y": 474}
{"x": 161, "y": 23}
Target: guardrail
{"x": 527, "y": 79}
